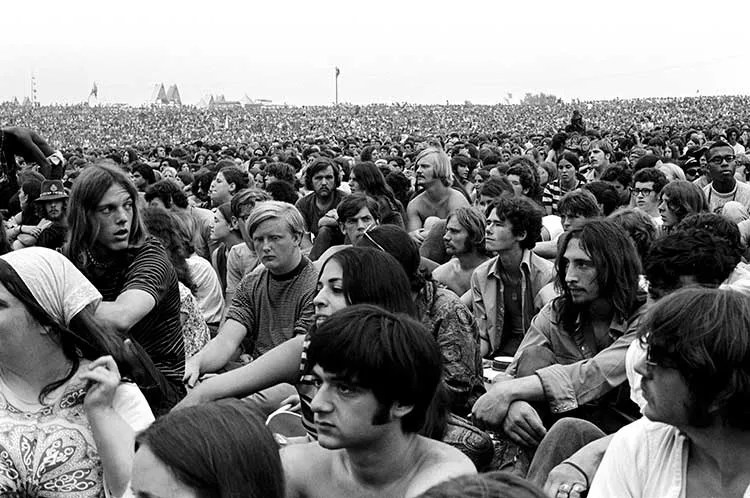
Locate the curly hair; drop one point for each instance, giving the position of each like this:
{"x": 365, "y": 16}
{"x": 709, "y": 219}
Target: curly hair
{"x": 638, "y": 226}
{"x": 524, "y": 215}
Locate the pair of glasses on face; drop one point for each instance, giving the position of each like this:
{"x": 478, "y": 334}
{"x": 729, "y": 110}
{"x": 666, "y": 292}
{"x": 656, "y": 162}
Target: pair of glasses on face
{"x": 718, "y": 160}
{"x": 693, "y": 172}
{"x": 642, "y": 191}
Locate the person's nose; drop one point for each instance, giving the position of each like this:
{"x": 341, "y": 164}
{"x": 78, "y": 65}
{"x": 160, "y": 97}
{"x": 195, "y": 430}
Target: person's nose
{"x": 319, "y": 300}
{"x": 321, "y": 402}
{"x": 640, "y": 365}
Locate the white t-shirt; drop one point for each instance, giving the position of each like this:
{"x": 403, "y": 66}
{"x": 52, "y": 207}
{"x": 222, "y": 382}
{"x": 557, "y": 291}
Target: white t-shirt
{"x": 208, "y": 293}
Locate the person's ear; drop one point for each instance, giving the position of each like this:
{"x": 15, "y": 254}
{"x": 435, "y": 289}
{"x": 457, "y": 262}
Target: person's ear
{"x": 234, "y": 224}
{"x": 233, "y": 187}
{"x": 521, "y": 236}
{"x": 399, "y": 410}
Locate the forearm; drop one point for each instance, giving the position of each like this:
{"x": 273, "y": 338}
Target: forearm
{"x": 590, "y": 456}
{"x": 115, "y": 443}
{"x": 279, "y": 365}
{"x": 527, "y": 389}
{"x": 220, "y": 349}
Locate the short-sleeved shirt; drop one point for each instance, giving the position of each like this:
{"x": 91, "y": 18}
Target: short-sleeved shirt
{"x": 310, "y": 212}
{"x": 147, "y": 268}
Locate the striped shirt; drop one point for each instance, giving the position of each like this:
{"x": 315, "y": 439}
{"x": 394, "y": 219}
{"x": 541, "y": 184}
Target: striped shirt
{"x": 553, "y": 192}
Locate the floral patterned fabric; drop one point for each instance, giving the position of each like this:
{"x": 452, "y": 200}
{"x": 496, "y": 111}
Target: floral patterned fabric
{"x": 48, "y": 451}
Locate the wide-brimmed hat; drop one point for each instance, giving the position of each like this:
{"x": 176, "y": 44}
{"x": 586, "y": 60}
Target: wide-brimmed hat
{"x": 52, "y": 190}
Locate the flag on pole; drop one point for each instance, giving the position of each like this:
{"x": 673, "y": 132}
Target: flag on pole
{"x": 94, "y": 91}
{"x": 337, "y": 72}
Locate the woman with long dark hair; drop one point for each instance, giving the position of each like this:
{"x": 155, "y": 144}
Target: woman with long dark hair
{"x": 366, "y": 178}
{"x": 68, "y": 421}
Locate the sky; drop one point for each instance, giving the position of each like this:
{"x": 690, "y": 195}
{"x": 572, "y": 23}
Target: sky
{"x": 388, "y": 51}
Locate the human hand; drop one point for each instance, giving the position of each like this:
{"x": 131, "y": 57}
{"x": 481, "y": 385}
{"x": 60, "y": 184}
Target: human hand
{"x": 192, "y": 371}
{"x": 523, "y": 425}
{"x": 565, "y": 481}
{"x": 330, "y": 219}
{"x": 194, "y": 397}
{"x": 418, "y": 236}
{"x": 292, "y": 400}
{"x": 34, "y": 232}
{"x": 491, "y": 408}
{"x": 32, "y": 147}
{"x": 104, "y": 377}
{"x": 44, "y": 223}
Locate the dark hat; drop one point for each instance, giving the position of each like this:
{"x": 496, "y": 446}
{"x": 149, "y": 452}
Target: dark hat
{"x": 52, "y": 190}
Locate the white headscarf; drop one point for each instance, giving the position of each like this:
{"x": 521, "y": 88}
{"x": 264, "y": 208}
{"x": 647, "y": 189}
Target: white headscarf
{"x": 56, "y": 284}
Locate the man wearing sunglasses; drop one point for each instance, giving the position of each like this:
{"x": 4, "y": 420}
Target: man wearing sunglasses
{"x": 724, "y": 193}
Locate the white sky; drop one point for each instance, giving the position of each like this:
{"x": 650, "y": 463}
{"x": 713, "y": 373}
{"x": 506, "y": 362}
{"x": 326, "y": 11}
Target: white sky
{"x": 388, "y": 51}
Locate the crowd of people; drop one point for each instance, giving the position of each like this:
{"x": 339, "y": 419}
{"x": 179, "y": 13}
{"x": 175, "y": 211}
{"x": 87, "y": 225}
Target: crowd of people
{"x": 393, "y": 301}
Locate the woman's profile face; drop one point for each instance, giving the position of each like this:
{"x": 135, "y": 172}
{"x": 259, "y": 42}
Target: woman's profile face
{"x": 152, "y": 478}
{"x": 15, "y": 321}
{"x": 330, "y": 297}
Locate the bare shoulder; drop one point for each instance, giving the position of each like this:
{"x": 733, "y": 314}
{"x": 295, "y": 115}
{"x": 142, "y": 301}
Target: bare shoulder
{"x": 304, "y": 465}
{"x": 438, "y": 462}
{"x": 458, "y": 200}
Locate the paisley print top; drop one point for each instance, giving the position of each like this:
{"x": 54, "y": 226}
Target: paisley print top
{"x": 48, "y": 451}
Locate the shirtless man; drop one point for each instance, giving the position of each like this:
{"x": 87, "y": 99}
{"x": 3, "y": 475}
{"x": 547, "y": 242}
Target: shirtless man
{"x": 438, "y": 199}
{"x": 373, "y": 394}
{"x": 464, "y": 243}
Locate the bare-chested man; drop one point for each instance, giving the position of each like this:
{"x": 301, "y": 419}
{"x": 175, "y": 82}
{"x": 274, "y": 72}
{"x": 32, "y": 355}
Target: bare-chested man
{"x": 376, "y": 374}
{"x": 438, "y": 199}
{"x": 464, "y": 242}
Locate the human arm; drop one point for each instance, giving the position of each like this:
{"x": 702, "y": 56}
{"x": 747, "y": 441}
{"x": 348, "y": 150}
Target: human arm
{"x": 32, "y": 147}
{"x": 114, "y": 438}
{"x": 491, "y": 409}
{"x": 579, "y": 469}
{"x": 281, "y": 364}
{"x": 128, "y": 309}
{"x": 217, "y": 352}
{"x": 413, "y": 219}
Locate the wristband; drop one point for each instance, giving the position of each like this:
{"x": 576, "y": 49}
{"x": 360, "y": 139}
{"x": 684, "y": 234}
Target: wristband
{"x": 579, "y": 469}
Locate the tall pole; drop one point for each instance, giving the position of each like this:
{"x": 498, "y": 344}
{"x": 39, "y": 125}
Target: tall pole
{"x": 337, "y": 85}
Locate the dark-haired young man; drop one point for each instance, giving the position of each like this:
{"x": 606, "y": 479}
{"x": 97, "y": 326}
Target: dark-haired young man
{"x": 504, "y": 290}
{"x": 322, "y": 179}
{"x": 573, "y": 355}
{"x": 648, "y": 183}
{"x": 356, "y": 214}
{"x": 724, "y": 188}
{"x": 376, "y": 374}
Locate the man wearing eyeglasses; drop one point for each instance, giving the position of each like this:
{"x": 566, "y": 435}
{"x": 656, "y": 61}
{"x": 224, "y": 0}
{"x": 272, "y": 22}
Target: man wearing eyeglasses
{"x": 648, "y": 185}
{"x": 724, "y": 191}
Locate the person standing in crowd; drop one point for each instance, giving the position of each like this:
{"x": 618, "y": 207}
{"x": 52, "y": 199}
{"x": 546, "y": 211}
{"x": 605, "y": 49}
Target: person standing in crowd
{"x": 695, "y": 438}
{"x": 374, "y": 390}
{"x": 109, "y": 244}
{"x": 572, "y": 359}
{"x": 465, "y": 244}
{"x": 437, "y": 199}
{"x": 273, "y": 303}
{"x": 505, "y": 289}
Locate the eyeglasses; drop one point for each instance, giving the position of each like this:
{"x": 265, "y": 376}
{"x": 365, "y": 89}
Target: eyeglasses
{"x": 642, "y": 191}
{"x": 718, "y": 160}
{"x": 692, "y": 171}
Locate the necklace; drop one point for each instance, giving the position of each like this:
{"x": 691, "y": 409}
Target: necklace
{"x": 94, "y": 261}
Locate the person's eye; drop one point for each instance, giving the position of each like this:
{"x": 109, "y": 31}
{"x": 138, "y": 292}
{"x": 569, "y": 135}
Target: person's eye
{"x": 105, "y": 210}
{"x": 317, "y": 383}
{"x": 337, "y": 290}
{"x": 345, "y": 389}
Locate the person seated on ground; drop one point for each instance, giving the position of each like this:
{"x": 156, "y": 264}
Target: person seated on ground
{"x": 356, "y": 214}
{"x": 567, "y": 180}
{"x": 168, "y": 195}
{"x": 574, "y": 206}
{"x": 350, "y": 276}
{"x": 273, "y": 303}
{"x": 218, "y": 449}
{"x": 572, "y": 359}
{"x": 647, "y": 185}
{"x": 225, "y": 232}
{"x": 110, "y": 245}
{"x": 606, "y": 196}
{"x": 725, "y": 195}
{"x": 638, "y": 226}
{"x": 621, "y": 179}
{"x": 68, "y": 422}
{"x": 322, "y": 180}
{"x": 161, "y": 224}
{"x": 227, "y": 182}
{"x": 51, "y": 207}
{"x": 443, "y": 314}
{"x": 464, "y": 243}
{"x": 488, "y": 485}
{"x": 679, "y": 199}
{"x": 367, "y": 179}
{"x": 437, "y": 198}
{"x": 374, "y": 389}
{"x": 505, "y": 290}
{"x": 695, "y": 438}
{"x": 685, "y": 257}
{"x": 242, "y": 258}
